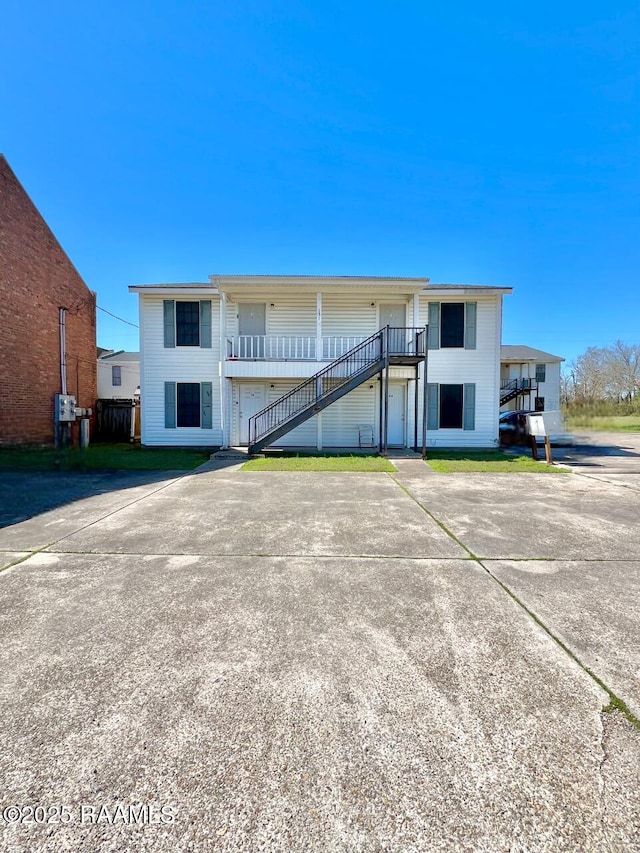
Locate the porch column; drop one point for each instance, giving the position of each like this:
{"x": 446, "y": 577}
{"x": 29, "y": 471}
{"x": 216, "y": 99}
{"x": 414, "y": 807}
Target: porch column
{"x": 224, "y": 427}
{"x": 319, "y": 326}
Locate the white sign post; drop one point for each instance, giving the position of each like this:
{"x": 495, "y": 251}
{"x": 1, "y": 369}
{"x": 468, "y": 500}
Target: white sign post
{"x": 543, "y": 424}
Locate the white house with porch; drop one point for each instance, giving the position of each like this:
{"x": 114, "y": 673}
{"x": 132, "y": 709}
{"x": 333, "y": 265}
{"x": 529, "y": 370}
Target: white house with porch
{"x": 319, "y": 362}
{"x": 529, "y": 379}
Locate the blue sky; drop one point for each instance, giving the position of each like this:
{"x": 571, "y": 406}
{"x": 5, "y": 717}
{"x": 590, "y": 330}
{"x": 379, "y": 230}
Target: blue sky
{"x": 483, "y": 143}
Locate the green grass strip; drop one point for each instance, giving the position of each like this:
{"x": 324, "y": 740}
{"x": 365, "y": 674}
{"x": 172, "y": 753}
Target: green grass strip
{"x": 486, "y": 462}
{"x": 102, "y": 457}
{"x": 353, "y": 464}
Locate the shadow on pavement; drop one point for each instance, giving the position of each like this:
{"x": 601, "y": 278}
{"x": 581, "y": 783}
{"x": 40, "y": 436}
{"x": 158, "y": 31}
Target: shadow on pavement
{"x": 25, "y": 494}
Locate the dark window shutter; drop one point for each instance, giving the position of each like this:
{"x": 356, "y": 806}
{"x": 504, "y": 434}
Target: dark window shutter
{"x": 434, "y": 326}
{"x": 470, "y": 323}
{"x": 170, "y": 405}
{"x": 469, "y": 411}
{"x": 169, "y": 323}
{"x": 205, "y": 323}
{"x": 206, "y": 394}
{"x": 433, "y": 416}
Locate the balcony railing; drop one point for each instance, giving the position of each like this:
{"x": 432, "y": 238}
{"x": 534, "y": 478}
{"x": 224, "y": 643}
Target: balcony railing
{"x": 271, "y": 347}
{"x": 518, "y": 385}
{"x": 303, "y": 347}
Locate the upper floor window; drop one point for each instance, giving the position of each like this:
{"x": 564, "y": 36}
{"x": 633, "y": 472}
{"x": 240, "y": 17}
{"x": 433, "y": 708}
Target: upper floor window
{"x": 452, "y": 324}
{"x": 116, "y": 375}
{"x": 541, "y": 372}
{"x": 187, "y": 324}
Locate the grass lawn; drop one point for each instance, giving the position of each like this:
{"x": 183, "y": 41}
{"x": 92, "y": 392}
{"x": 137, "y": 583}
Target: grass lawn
{"x": 604, "y": 423}
{"x": 319, "y": 463}
{"x": 486, "y": 462}
{"x": 111, "y": 457}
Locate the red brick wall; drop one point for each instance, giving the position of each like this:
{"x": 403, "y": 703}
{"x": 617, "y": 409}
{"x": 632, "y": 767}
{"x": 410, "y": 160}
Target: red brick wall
{"x": 36, "y": 280}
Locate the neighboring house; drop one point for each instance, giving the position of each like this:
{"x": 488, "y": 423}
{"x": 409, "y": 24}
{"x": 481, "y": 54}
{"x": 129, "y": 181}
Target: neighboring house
{"x": 215, "y": 355}
{"x": 529, "y": 379}
{"x": 42, "y": 300}
{"x": 118, "y": 375}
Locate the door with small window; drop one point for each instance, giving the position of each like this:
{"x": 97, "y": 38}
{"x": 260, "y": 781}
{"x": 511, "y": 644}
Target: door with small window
{"x": 252, "y": 328}
{"x": 395, "y": 316}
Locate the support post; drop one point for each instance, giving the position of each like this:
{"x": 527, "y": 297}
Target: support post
{"x": 415, "y": 408}
{"x": 225, "y": 428}
{"x": 386, "y": 391}
{"x": 380, "y": 375}
{"x": 424, "y": 393}
{"x": 319, "y": 353}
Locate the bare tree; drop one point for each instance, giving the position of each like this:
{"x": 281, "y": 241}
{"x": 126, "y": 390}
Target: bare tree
{"x": 604, "y": 373}
{"x": 589, "y": 372}
{"x": 624, "y": 370}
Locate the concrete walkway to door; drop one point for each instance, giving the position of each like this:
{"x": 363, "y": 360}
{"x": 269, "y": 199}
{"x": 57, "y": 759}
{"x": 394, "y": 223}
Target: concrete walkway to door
{"x": 325, "y": 662}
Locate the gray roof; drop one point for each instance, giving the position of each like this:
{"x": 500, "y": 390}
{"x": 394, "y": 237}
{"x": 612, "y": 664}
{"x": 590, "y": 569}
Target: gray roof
{"x": 521, "y": 353}
{"x": 120, "y": 356}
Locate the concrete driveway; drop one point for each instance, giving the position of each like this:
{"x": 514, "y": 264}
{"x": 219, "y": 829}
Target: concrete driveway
{"x": 323, "y": 662}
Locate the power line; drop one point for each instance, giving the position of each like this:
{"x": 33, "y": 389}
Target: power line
{"x": 115, "y": 316}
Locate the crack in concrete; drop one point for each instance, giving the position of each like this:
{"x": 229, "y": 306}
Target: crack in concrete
{"x": 615, "y": 702}
{"x": 602, "y": 784}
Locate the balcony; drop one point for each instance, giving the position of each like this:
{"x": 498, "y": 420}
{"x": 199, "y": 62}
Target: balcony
{"x": 304, "y": 347}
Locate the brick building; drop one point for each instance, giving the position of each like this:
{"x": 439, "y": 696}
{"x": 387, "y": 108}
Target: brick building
{"x": 37, "y": 279}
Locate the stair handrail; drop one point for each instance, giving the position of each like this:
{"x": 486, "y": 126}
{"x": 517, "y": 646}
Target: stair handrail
{"x": 316, "y": 381}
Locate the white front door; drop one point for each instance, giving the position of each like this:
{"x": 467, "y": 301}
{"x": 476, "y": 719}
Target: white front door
{"x": 397, "y": 414}
{"x": 252, "y": 399}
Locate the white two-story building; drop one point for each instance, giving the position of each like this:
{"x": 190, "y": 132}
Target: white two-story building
{"x": 308, "y": 350}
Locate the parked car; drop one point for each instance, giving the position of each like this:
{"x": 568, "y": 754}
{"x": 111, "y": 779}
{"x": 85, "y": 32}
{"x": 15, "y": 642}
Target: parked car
{"x": 513, "y": 426}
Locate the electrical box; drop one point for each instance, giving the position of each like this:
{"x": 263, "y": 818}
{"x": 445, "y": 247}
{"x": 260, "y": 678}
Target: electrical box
{"x": 65, "y": 408}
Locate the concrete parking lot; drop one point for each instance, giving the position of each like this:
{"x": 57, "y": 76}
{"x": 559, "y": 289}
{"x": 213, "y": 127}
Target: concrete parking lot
{"x": 330, "y": 662}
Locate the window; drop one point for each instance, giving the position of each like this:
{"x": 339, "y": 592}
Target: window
{"x": 188, "y": 324}
{"x": 452, "y": 324}
{"x": 451, "y": 406}
{"x": 188, "y": 404}
{"x": 116, "y": 375}
{"x": 541, "y": 371}
{"x": 539, "y": 404}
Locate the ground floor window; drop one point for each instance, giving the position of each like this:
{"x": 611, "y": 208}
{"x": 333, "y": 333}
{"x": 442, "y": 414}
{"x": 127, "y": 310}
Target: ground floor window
{"x": 451, "y": 397}
{"x": 451, "y": 406}
{"x": 539, "y": 404}
{"x": 188, "y": 404}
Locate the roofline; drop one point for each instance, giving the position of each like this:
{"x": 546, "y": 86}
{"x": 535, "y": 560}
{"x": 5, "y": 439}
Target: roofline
{"x": 236, "y": 279}
{"x": 217, "y": 283}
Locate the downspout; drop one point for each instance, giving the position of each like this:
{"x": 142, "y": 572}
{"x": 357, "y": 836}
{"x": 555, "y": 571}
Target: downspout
{"x": 63, "y": 347}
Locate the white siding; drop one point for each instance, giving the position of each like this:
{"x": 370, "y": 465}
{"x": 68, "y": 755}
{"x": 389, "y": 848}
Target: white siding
{"x": 457, "y": 366}
{"x": 176, "y": 364}
{"x": 303, "y": 436}
{"x": 359, "y": 313}
{"x": 340, "y": 421}
{"x": 286, "y": 314}
{"x": 550, "y": 388}
{"x": 130, "y": 375}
